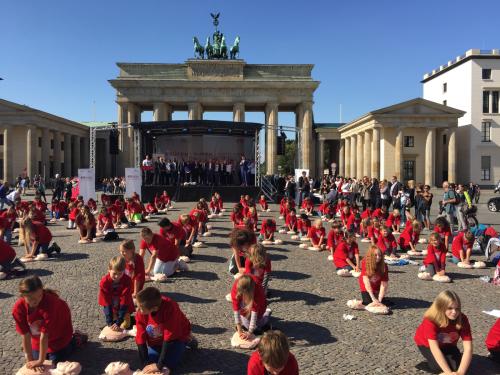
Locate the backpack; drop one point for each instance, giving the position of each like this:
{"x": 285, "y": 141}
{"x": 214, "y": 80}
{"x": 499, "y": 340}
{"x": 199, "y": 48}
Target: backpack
{"x": 111, "y": 236}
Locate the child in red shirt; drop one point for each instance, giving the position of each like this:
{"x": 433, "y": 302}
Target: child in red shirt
{"x": 92, "y": 205}
{"x": 442, "y": 227}
{"x": 173, "y": 231}
{"x": 240, "y": 241}
{"x": 374, "y": 277}
{"x": 220, "y": 203}
{"x": 263, "y": 203}
{"x": 267, "y": 230}
{"x": 435, "y": 261}
{"x": 308, "y": 206}
{"x": 374, "y": 230}
{"x": 190, "y": 229}
{"x": 317, "y": 235}
{"x": 236, "y": 216}
{"x": 214, "y": 206}
{"x": 346, "y": 254}
{"x": 105, "y": 222}
{"x": 273, "y": 356}
{"x": 291, "y": 221}
{"x": 39, "y": 237}
{"x": 8, "y": 260}
{"x": 7, "y": 222}
{"x": 408, "y": 240}
{"x": 387, "y": 243}
{"x": 461, "y": 247}
{"x": 394, "y": 220}
{"x": 443, "y": 325}
{"x": 73, "y": 213}
{"x": 493, "y": 341}
{"x": 380, "y": 213}
{"x": 258, "y": 265}
{"x": 335, "y": 236}
{"x": 134, "y": 267}
{"x": 150, "y": 209}
{"x": 344, "y": 215}
{"x": 115, "y": 295}
{"x": 86, "y": 224}
{"x": 163, "y": 331}
{"x": 303, "y": 225}
{"x": 164, "y": 254}
{"x": 354, "y": 222}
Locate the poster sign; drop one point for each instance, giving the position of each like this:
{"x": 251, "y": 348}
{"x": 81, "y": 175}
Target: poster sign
{"x": 133, "y": 181}
{"x": 298, "y": 174}
{"x": 86, "y": 183}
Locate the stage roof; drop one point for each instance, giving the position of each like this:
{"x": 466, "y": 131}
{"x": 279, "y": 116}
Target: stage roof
{"x": 189, "y": 127}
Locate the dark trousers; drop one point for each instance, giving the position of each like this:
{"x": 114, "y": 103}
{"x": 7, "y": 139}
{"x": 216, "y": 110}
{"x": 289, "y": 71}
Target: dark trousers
{"x": 451, "y": 354}
{"x": 61, "y": 355}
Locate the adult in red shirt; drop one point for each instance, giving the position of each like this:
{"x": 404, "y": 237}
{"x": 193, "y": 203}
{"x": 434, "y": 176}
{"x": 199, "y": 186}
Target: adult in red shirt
{"x": 164, "y": 254}
{"x": 374, "y": 277}
{"x": 493, "y": 341}
{"x": 39, "y": 236}
{"x": 43, "y": 320}
{"x": 346, "y": 255}
{"x": 435, "y": 260}
{"x": 437, "y": 336}
{"x": 273, "y": 356}
{"x": 163, "y": 331}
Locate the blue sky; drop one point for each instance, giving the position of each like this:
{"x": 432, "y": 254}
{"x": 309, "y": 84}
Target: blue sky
{"x": 57, "y": 55}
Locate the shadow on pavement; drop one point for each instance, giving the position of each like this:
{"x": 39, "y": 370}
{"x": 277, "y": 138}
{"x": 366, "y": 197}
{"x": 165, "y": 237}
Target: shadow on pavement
{"x": 207, "y": 330}
{"x": 289, "y": 275}
{"x": 5, "y": 295}
{"x": 277, "y": 257}
{"x": 461, "y": 276}
{"x": 293, "y": 295}
{"x": 94, "y": 357}
{"x": 401, "y": 303}
{"x": 214, "y": 361}
{"x": 181, "y": 297}
{"x": 200, "y": 275}
{"x": 304, "y": 333}
{"x": 208, "y": 258}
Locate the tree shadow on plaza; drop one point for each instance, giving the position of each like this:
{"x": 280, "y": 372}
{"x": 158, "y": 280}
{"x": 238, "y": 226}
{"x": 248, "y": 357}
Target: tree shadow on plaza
{"x": 304, "y": 333}
{"x": 95, "y": 356}
{"x": 402, "y": 303}
{"x": 218, "y": 361}
{"x": 208, "y": 258}
{"x": 207, "y": 330}
{"x": 294, "y": 295}
{"x": 277, "y": 257}
{"x": 181, "y": 297}
{"x": 289, "y": 275}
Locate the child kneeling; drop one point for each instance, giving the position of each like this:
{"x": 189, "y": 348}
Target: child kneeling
{"x": 163, "y": 331}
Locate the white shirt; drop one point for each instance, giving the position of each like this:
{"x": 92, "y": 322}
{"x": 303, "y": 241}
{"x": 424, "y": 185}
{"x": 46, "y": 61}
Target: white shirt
{"x": 147, "y": 163}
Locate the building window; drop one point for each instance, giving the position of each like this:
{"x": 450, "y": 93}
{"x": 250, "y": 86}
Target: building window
{"x": 51, "y": 145}
{"x": 409, "y": 141}
{"x": 1, "y": 168}
{"x": 39, "y": 141}
{"x": 494, "y": 99}
{"x": 485, "y": 167}
{"x": 62, "y": 146}
{"x": 445, "y": 87}
{"x": 40, "y": 168}
{"x": 1, "y": 139}
{"x": 486, "y": 102}
{"x": 445, "y": 102}
{"x": 408, "y": 170}
{"x": 444, "y": 139}
{"x": 486, "y": 73}
{"x": 486, "y": 131}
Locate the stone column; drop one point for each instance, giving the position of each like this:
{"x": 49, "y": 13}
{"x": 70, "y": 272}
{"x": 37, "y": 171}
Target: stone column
{"x": 86, "y": 153}
{"x": 67, "y": 155}
{"x": 271, "y": 137}
{"x": 440, "y": 166}
{"x": 107, "y": 164}
{"x": 452, "y": 155}
{"x": 56, "y": 152}
{"x": 359, "y": 156}
{"x": 367, "y": 153}
{"x": 375, "y": 171}
{"x": 31, "y": 151}
{"x": 76, "y": 155}
{"x": 299, "y": 117}
{"x": 430, "y": 156}
{"x": 341, "y": 158}
{"x": 195, "y": 111}
{"x": 122, "y": 119}
{"x": 321, "y": 157}
{"x": 239, "y": 112}
{"x": 307, "y": 137}
{"x": 46, "y": 153}
{"x": 347, "y": 157}
{"x": 7, "y": 156}
{"x": 398, "y": 154}
{"x": 161, "y": 112}
{"x": 134, "y": 115}
{"x": 352, "y": 172}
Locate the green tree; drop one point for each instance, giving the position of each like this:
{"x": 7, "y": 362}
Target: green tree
{"x": 287, "y": 161}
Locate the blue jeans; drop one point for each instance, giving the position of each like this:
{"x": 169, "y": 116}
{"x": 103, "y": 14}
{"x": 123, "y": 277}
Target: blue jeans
{"x": 4, "y": 201}
{"x": 43, "y": 248}
{"x": 55, "y": 214}
{"x": 454, "y": 260}
{"x": 59, "y": 356}
{"x": 175, "y": 350}
{"x": 349, "y": 268}
{"x": 7, "y": 235}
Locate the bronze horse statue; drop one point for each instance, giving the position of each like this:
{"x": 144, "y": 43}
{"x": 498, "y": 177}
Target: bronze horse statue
{"x": 235, "y": 49}
{"x": 199, "y": 51}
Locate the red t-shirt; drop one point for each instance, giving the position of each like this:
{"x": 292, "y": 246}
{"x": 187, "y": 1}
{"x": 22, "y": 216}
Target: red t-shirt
{"x": 392, "y": 220}
{"x": 258, "y": 273}
{"x": 8, "y": 219}
{"x": 344, "y": 251}
{"x": 386, "y": 243}
{"x": 73, "y": 213}
{"x": 334, "y": 239}
{"x": 7, "y": 253}
{"x": 263, "y": 203}
{"x": 408, "y": 235}
{"x": 38, "y": 215}
{"x": 92, "y": 204}
{"x": 256, "y": 367}
{"x": 315, "y": 234}
{"x": 291, "y": 221}
{"x": 373, "y": 233}
{"x": 105, "y": 221}
{"x": 378, "y": 213}
{"x": 116, "y": 294}
{"x": 366, "y": 213}
{"x": 41, "y": 233}
{"x": 52, "y": 316}
{"x": 493, "y": 338}
{"x": 303, "y": 226}
{"x": 460, "y": 243}
{"x": 167, "y": 324}
{"x": 375, "y": 280}
{"x": 436, "y": 256}
{"x": 135, "y": 269}
{"x": 353, "y": 222}
{"x": 268, "y": 229}
{"x": 447, "y": 336}
{"x": 259, "y": 300}
{"x": 134, "y": 208}
{"x": 443, "y": 232}
{"x": 176, "y": 232}
{"x": 166, "y": 251}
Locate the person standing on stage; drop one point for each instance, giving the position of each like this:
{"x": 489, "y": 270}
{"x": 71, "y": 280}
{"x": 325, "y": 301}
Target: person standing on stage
{"x": 156, "y": 178}
{"x": 147, "y": 166}
{"x": 243, "y": 171}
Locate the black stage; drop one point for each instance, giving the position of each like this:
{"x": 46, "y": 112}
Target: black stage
{"x": 194, "y": 193}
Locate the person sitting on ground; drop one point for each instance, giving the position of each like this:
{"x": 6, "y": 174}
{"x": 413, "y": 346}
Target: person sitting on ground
{"x": 346, "y": 254}
{"x": 164, "y": 254}
{"x": 394, "y": 220}
{"x": 273, "y": 356}
{"x": 303, "y": 225}
{"x": 173, "y": 231}
{"x": 92, "y": 205}
{"x": 105, "y": 221}
{"x": 374, "y": 230}
{"x": 267, "y": 230}
{"x": 115, "y": 295}
{"x": 43, "y": 320}
{"x": 291, "y": 221}
{"x": 258, "y": 264}
{"x": 317, "y": 234}
{"x": 493, "y": 342}
{"x": 264, "y": 206}
{"x": 134, "y": 267}
{"x": 442, "y": 227}
{"x": 435, "y": 260}
{"x": 39, "y": 237}
{"x": 387, "y": 243}
{"x": 249, "y": 306}
{"x": 461, "y": 247}
{"x": 163, "y": 331}
{"x": 335, "y": 236}
{"x": 437, "y": 336}
{"x": 409, "y": 238}
{"x": 190, "y": 230}
{"x": 7, "y": 222}
{"x": 73, "y": 210}
{"x": 214, "y": 206}
{"x": 8, "y": 260}
{"x": 86, "y": 224}
{"x": 308, "y": 206}
{"x": 151, "y": 209}
{"x": 374, "y": 278}
{"x": 240, "y": 241}
{"x": 236, "y": 216}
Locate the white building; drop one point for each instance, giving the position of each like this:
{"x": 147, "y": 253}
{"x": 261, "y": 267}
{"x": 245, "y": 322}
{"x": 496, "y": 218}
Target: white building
{"x": 471, "y": 83}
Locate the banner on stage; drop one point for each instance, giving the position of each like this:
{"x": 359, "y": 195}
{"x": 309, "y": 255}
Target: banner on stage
{"x": 298, "y": 173}
{"x": 133, "y": 181}
{"x": 86, "y": 183}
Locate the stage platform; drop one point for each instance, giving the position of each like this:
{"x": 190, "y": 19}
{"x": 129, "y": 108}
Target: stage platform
{"x": 194, "y": 193}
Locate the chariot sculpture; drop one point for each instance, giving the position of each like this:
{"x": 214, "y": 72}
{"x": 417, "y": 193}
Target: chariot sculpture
{"x": 217, "y": 48}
